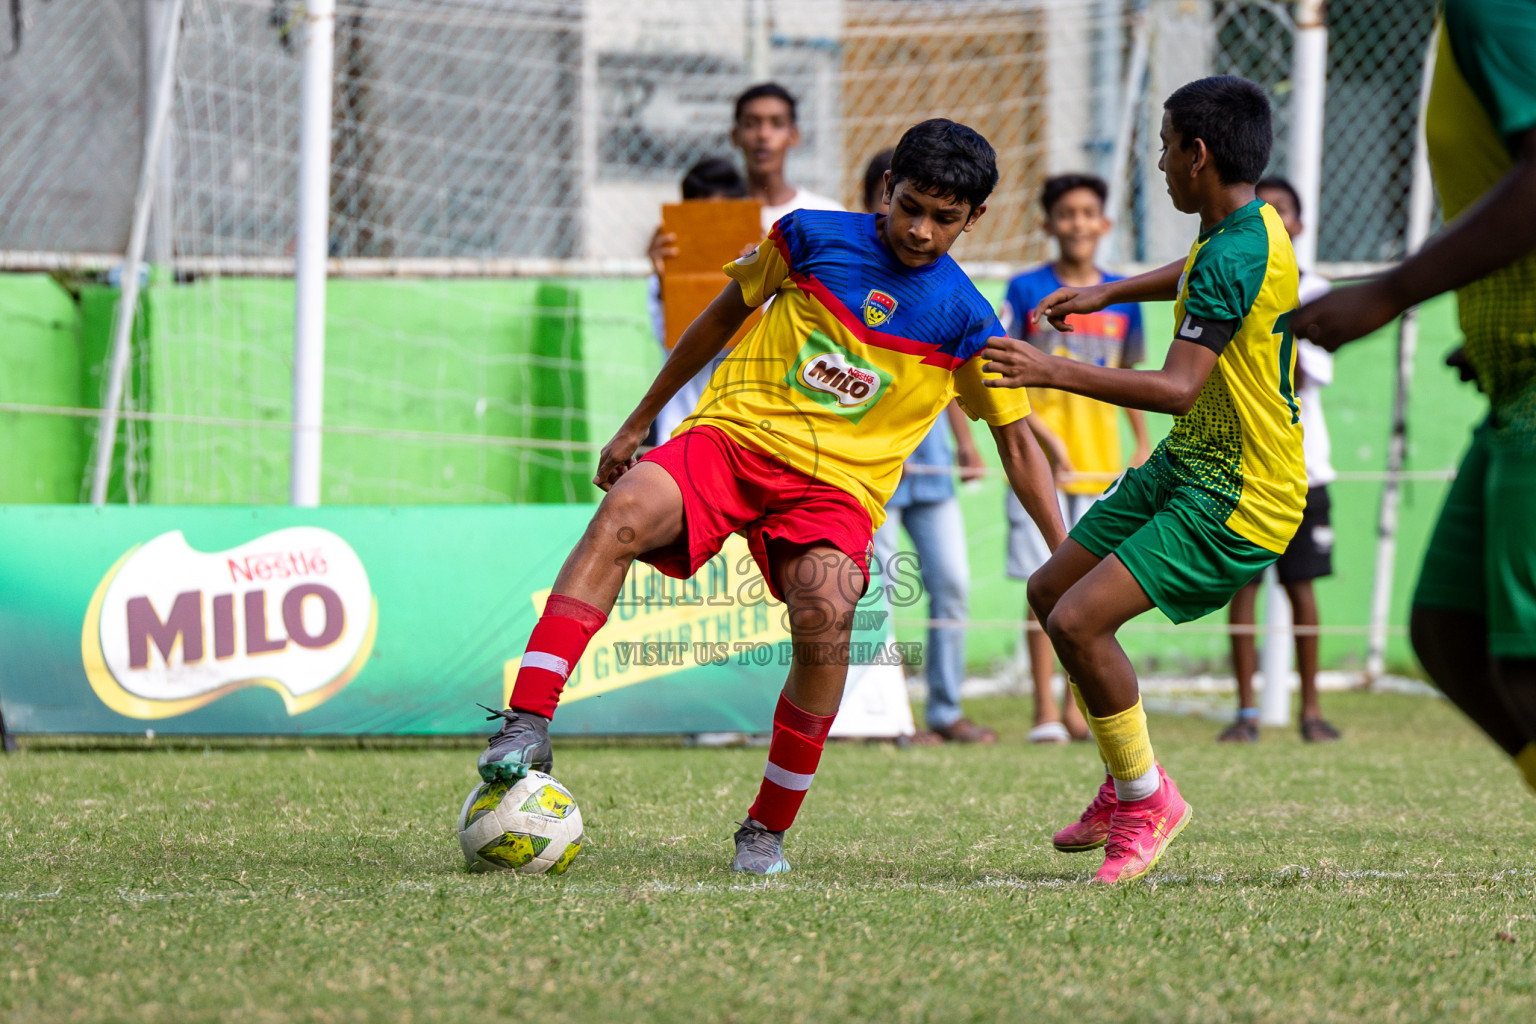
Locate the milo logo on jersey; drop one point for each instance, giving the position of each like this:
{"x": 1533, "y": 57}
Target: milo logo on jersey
{"x": 835, "y": 378}
{"x": 878, "y": 307}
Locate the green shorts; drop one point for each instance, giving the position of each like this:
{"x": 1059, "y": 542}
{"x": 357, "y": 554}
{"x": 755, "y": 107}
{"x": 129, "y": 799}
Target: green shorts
{"x": 1482, "y": 555}
{"x": 1188, "y": 561}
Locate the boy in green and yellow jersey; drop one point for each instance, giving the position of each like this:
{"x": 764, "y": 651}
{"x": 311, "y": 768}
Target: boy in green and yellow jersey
{"x": 1220, "y": 497}
{"x": 1474, "y": 612}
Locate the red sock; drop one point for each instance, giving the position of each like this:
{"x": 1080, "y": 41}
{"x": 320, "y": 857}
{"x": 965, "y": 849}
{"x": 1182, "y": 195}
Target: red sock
{"x": 793, "y": 754}
{"x": 556, "y": 645}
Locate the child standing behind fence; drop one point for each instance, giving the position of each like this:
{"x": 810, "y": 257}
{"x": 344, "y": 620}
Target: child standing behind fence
{"x": 1310, "y": 553}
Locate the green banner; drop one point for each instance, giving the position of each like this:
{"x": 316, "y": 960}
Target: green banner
{"x": 360, "y": 620}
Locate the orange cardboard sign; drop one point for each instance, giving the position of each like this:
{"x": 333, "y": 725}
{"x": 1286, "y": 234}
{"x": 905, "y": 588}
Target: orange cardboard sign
{"x": 709, "y": 235}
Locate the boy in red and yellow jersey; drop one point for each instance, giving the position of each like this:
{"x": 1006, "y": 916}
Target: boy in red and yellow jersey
{"x": 797, "y": 443}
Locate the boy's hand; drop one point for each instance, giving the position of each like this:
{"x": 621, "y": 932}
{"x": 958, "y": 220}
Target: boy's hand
{"x": 1062, "y": 470}
{"x": 968, "y": 458}
{"x": 1062, "y": 302}
{"x": 663, "y": 247}
{"x": 618, "y": 456}
{"x": 1019, "y": 364}
{"x": 1345, "y": 314}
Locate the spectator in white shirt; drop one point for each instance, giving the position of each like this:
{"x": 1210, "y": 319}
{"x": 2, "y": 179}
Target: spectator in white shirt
{"x": 764, "y": 130}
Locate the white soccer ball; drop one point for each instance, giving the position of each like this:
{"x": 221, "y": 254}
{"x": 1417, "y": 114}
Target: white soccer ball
{"x": 532, "y": 827}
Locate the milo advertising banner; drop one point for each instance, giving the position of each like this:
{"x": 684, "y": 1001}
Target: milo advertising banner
{"x": 218, "y": 620}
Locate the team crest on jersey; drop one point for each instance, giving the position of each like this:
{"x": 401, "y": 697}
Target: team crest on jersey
{"x": 878, "y": 307}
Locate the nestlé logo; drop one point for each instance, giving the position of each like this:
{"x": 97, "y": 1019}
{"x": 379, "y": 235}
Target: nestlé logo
{"x": 171, "y": 629}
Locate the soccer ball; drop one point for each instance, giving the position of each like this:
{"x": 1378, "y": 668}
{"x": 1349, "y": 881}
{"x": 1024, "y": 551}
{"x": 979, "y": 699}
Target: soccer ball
{"x": 533, "y": 826}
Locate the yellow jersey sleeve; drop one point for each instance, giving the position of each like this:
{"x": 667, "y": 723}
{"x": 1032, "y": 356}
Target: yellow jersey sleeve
{"x": 762, "y": 271}
{"x": 998, "y": 406}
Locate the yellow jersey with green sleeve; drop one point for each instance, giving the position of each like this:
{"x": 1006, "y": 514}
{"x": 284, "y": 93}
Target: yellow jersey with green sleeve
{"x": 855, "y": 357}
{"x": 1482, "y": 95}
{"x": 1239, "y": 446}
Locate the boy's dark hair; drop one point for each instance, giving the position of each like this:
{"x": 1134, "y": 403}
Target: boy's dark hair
{"x": 1280, "y": 184}
{"x": 874, "y": 178}
{"x": 1231, "y": 115}
{"x": 1060, "y": 184}
{"x": 946, "y": 159}
{"x": 714, "y": 176}
{"x": 757, "y": 92}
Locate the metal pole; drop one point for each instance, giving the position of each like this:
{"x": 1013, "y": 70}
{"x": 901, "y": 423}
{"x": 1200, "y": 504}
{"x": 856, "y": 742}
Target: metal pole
{"x": 1420, "y": 211}
{"x": 1309, "y": 75}
{"x": 310, "y": 252}
{"x": 161, "y": 244}
{"x": 1275, "y": 658}
{"x": 758, "y": 39}
{"x": 1130, "y": 100}
{"x": 138, "y": 233}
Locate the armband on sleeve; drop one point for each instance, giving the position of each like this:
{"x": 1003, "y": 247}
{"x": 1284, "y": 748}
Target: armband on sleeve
{"x": 1211, "y": 334}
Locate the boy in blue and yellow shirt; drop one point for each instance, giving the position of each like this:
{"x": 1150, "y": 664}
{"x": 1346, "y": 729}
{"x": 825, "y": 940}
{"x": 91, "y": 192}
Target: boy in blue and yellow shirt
{"x": 797, "y": 443}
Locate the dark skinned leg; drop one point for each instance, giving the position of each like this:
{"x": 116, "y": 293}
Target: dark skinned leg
{"x": 1304, "y": 613}
{"x": 1042, "y": 668}
{"x": 821, "y": 588}
{"x": 1070, "y": 563}
{"x": 644, "y": 510}
{"x": 1515, "y": 681}
{"x": 1082, "y": 626}
{"x": 1453, "y": 648}
{"x": 1245, "y": 659}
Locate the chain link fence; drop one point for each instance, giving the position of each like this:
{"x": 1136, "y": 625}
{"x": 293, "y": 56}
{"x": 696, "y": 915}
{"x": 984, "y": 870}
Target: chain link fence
{"x": 502, "y": 163}
{"x": 520, "y": 128}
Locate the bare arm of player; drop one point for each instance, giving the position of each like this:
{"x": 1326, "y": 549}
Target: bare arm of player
{"x": 700, "y": 343}
{"x": 1160, "y": 285}
{"x": 1029, "y": 474}
{"x": 1495, "y": 232}
{"x": 967, "y": 455}
{"x": 1054, "y": 447}
{"x": 1172, "y": 389}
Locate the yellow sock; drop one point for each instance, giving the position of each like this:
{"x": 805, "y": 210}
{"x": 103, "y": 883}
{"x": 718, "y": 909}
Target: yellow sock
{"x": 1526, "y": 762}
{"x": 1127, "y": 750}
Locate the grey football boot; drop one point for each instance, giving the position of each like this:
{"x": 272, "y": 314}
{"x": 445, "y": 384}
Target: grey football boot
{"x": 759, "y": 851}
{"x": 520, "y": 746}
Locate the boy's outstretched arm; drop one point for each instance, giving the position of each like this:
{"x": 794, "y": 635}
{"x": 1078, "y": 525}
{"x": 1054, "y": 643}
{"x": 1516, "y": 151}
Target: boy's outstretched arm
{"x": 1030, "y": 476}
{"x": 1160, "y": 285}
{"x": 1172, "y": 389}
{"x": 1492, "y": 234}
{"x": 700, "y": 343}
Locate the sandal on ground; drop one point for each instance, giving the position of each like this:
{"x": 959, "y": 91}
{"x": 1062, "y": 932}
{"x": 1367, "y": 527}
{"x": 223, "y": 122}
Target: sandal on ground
{"x": 1244, "y": 730}
{"x": 1315, "y": 730}
{"x": 1050, "y": 732}
{"x": 966, "y": 731}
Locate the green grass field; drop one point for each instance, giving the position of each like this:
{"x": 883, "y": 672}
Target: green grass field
{"x": 1390, "y": 877}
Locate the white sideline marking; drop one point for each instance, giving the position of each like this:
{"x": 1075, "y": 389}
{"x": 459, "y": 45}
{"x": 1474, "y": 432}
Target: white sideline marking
{"x": 476, "y": 886}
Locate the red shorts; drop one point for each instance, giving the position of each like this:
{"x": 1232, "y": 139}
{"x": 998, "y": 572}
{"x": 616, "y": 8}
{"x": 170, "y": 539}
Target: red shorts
{"x": 727, "y": 488}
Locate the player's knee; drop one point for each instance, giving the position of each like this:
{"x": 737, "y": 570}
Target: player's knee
{"x": 618, "y": 527}
{"x": 819, "y": 616}
{"x": 1041, "y": 595}
{"x": 1070, "y": 625}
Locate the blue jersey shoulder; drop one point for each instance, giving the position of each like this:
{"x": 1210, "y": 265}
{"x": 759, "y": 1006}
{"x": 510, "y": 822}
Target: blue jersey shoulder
{"x": 936, "y": 305}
